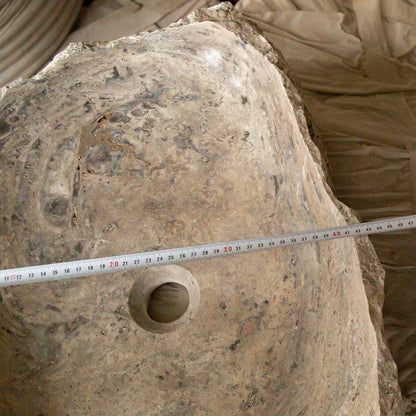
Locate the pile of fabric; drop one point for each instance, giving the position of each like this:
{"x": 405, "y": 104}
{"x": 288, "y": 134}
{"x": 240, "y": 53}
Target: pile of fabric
{"x": 33, "y": 31}
{"x": 30, "y": 34}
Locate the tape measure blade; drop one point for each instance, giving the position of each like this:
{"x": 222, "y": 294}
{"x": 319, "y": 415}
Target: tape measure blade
{"x": 128, "y": 262}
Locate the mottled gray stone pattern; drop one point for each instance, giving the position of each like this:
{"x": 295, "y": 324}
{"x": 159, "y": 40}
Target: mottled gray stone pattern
{"x": 172, "y": 138}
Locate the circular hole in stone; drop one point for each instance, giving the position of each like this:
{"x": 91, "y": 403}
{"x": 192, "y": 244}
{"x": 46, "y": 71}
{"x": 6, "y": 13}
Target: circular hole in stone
{"x": 168, "y": 302}
{"x": 164, "y": 298}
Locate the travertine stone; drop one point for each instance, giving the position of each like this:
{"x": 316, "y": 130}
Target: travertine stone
{"x": 172, "y": 138}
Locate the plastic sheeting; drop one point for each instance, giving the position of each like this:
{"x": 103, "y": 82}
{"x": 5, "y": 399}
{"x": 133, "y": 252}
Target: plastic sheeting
{"x": 356, "y": 62}
{"x": 134, "y": 17}
{"x": 30, "y": 33}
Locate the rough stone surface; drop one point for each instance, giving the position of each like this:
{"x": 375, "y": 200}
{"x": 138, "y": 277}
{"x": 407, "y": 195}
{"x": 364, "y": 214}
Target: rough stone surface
{"x": 172, "y": 138}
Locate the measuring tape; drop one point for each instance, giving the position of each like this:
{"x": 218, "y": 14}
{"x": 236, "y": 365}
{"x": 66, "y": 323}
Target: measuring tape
{"x": 122, "y": 263}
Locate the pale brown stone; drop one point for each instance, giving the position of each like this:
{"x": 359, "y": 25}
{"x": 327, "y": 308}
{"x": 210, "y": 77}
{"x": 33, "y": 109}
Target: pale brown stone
{"x": 190, "y": 135}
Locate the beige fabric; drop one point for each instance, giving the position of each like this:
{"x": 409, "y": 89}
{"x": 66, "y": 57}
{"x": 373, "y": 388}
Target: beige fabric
{"x": 134, "y": 17}
{"x": 30, "y": 34}
{"x": 356, "y": 61}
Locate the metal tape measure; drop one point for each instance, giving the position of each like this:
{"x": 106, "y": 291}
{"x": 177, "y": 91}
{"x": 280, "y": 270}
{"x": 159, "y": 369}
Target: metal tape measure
{"x": 127, "y": 262}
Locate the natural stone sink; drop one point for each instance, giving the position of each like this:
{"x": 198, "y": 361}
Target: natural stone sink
{"x": 189, "y": 135}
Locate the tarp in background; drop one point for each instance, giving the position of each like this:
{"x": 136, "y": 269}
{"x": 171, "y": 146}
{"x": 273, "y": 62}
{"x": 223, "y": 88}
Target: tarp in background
{"x": 30, "y": 34}
{"x": 356, "y": 62}
{"x": 32, "y": 31}
{"x": 101, "y": 22}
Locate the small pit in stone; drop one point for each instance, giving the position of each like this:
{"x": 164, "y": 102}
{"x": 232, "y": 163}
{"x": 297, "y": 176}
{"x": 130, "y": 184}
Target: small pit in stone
{"x": 162, "y": 299}
{"x": 168, "y": 302}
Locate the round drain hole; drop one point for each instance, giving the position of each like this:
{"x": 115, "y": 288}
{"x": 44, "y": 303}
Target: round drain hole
{"x": 163, "y": 298}
{"x": 168, "y": 303}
